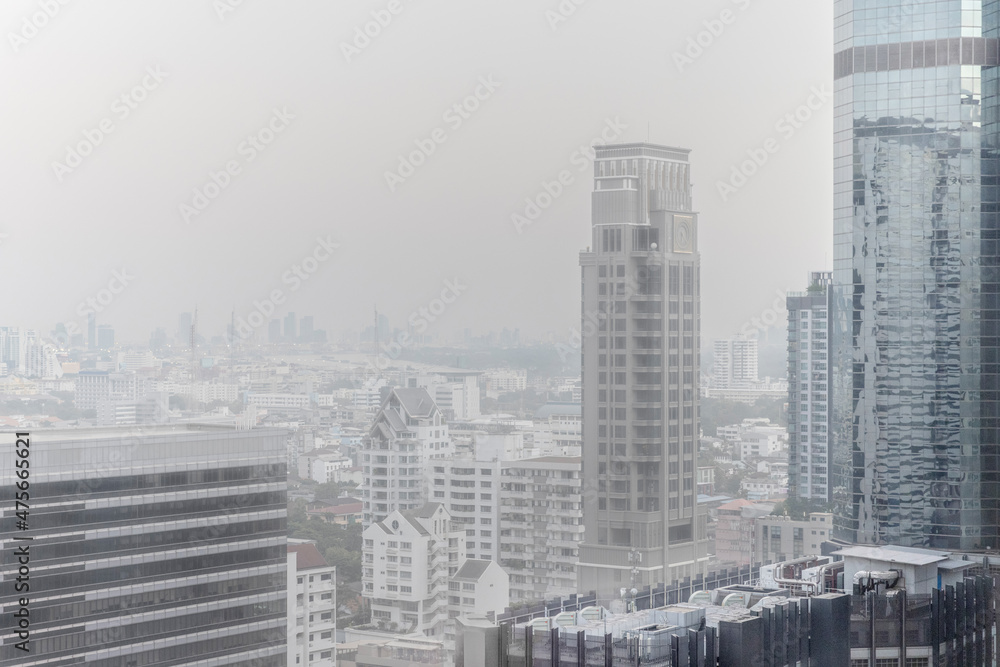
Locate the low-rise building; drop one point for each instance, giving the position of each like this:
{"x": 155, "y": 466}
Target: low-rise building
{"x": 479, "y": 588}
{"x": 407, "y": 560}
{"x": 781, "y": 538}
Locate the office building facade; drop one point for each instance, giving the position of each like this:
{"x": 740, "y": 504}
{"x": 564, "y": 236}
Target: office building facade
{"x": 640, "y": 354}
{"x": 154, "y": 547}
{"x": 916, "y": 279}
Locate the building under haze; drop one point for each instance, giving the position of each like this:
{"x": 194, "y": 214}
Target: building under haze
{"x": 641, "y": 336}
{"x": 734, "y": 363}
{"x": 809, "y": 391}
{"x": 408, "y": 433}
{"x": 916, "y": 279}
{"x": 155, "y": 546}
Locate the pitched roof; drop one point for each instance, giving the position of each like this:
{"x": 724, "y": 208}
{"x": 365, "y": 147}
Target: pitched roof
{"x": 416, "y": 401}
{"x": 472, "y": 569}
{"x": 307, "y": 556}
{"x": 425, "y": 511}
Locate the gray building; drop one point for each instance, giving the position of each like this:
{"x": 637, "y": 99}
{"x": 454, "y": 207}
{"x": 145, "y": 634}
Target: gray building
{"x": 641, "y": 341}
{"x": 809, "y": 391}
{"x": 916, "y": 277}
{"x": 154, "y": 546}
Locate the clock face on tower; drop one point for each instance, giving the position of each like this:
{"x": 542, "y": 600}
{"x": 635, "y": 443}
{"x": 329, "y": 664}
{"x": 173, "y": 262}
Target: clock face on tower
{"x": 683, "y": 234}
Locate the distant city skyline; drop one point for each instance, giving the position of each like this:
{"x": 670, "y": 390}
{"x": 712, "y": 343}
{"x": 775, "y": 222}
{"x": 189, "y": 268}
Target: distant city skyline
{"x": 324, "y": 174}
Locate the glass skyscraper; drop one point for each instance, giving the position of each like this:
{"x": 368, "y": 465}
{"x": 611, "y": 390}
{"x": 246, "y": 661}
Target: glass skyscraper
{"x": 916, "y": 299}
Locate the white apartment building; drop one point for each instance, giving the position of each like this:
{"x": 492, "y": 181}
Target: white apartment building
{"x": 456, "y": 393}
{"x": 408, "y": 559}
{"x": 324, "y": 467}
{"x": 558, "y": 430}
{"x": 369, "y": 396}
{"x": 312, "y": 607}
{"x": 504, "y": 381}
{"x": 40, "y": 361}
{"x": 278, "y": 400}
{"x": 94, "y": 386}
{"x": 735, "y": 363}
{"x": 479, "y": 588}
{"x": 541, "y": 526}
{"x": 470, "y": 489}
{"x": 135, "y": 360}
{"x": 809, "y": 390}
{"x": 408, "y": 434}
{"x": 758, "y": 443}
{"x": 207, "y": 392}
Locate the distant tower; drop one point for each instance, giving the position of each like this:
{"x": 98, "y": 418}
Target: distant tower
{"x": 809, "y": 391}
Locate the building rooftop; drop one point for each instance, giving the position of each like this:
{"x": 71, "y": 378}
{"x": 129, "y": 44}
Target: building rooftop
{"x": 550, "y": 409}
{"x": 425, "y": 511}
{"x": 307, "y": 556}
{"x": 416, "y": 402}
{"x": 337, "y": 510}
{"x": 472, "y": 569}
{"x": 144, "y": 431}
{"x": 894, "y": 554}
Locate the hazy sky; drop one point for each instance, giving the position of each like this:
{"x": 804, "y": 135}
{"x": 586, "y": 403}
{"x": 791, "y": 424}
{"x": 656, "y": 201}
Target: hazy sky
{"x": 199, "y": 80}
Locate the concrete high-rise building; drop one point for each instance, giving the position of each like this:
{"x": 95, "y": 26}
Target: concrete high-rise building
{"x": 408, "y": 433}
{"x": 809, "y": 391}
{"x": 735, "y": 363}
{"x": 916, "y": 288}
{"x": 541, "y": 526}
{"x": 92, "y": 331}
{"x": 157, "y": 546}
{"x": 470, "y": 488}
{"x": 291, "y": 328}
{"x": 641, "y": 337}
{"x": 274, "y": 331}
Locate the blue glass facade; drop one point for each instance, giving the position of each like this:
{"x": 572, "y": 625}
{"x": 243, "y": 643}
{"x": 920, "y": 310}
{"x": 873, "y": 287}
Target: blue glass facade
{"x": 916, "y": 281}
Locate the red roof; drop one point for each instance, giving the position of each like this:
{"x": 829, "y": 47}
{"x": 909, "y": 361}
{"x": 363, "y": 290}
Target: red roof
{"x": 307, "y": 556}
